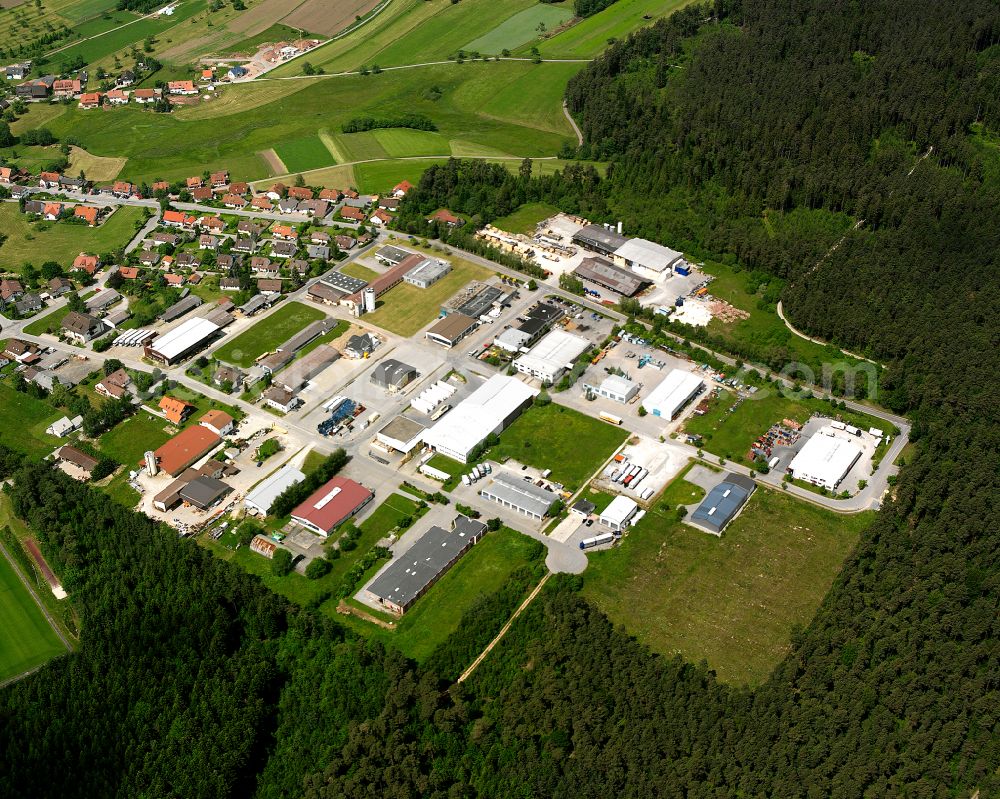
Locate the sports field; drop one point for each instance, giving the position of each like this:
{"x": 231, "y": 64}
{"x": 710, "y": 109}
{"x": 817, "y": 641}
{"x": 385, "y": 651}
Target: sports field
{"x": 28, "y": 639}
{"x": 267, "y": 334}
{"x": 406, "y": 309}
{"x": 306, "y": 152}
{"x": 734, "y": 600}
{"x": 25, "y": 243}
{"x": 566, "y": 441}
{"x": 525, "y": 26}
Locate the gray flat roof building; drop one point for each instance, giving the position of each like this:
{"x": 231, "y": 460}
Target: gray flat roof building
{"x": 181, "y": 307}
{"x": 723, "y": 502}
{"x": 599, "y": 239}
{"x": 427, "y": 273}
{"x": 204, "y": 492}
{"x": 474, "y": 300}
{"x": 254, "y": 304}
{"x": 390, "y": 255}
{"x": 518, "y": 494}
{"x": 606, "y": 274}
{"x": 345, "y": 282}
{"x": 408, "y": 576}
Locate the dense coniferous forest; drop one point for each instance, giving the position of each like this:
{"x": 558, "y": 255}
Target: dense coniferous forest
{"x": 759, "y": 131}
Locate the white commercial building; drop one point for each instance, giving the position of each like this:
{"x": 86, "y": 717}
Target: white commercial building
{"x": 618, "y": 514}
{"x": 825, "y": 459}
{"x": 401, "y": 434}
{"x": 647, "y": 258}
{"x": 615, "y": 387}
{"x": 551, "y": 356}
{"x": 675, "y": 391}
{"x": 489, "y": 409}
{"x": 510, "y": 491}
{"x": 262, "y": 496}
{"x": 182, "y": 340}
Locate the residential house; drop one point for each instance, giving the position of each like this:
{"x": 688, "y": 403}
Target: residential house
{"x": 330, "y": 195}
{"x": 90, "y": 100}
{"x": 446, "y": 217}
{"x": 18, "y": 71}
{"x": 229, "y": 284}
{"x": 400, "y": 189}
{"x": 182, "y": 87}
{"x": 72, "y": 184}
{"x": 234, "y": 201}
{"x": 52, "y": 211}
{"x": 21, "y": 351}
{"x": 126, "y": 78}
{"x": 228, "y": 263}
{"x": 187, "y": 260}
{"x": 128, "y": 272}
{"x": 208, "y": 242}
{"x": 261, "y": 203}
{"x": 174, "y": 279}
{"x": 219, "y": 422}
{"x": 86, "y": 263}
{"x": 260, "y": 264}
{"x": 238, "y": 72}
{"x": 288, "y": 205}
{"x": 269, "y": 287}
{"x": 316, "y": 208}
{"x": 277, "y": 191}
{"x": 87, "y": 213}
{"x": 247, "y": 228}
{"x": 149, "y": 258}
{"x": 381, "y": 218}
{"x": 194, "y": 182}
{"x": 28, "y": 304}
{"x": 114, "y": 385}
{"x": 299, "y": 265}
{"x": 202, "y": 194}
{"x": 116, "y": 97}
{"x": 59, "y": 286}
{"x": 66, "y": 88}
{"x": 170, "y": 239}
{"x": 345, "y": 242}
{"x": 319, "y": 237}
{"x": 64, "y": 426}
{"x": 283, "y": 249}
{"x": 318, "y": 252}
{"x": 227, "y": 374}
{"x": 208, "y": 75}
{"x": 244, "y": 244}
{"x": 212, "y": 223}
{"x": 10, "y": 289}
{"x": 285, "y": 232}
{"x": 145, "y": 96}
{"x": 48, "y": 180}
{"x": 176, "y": 410}
{"x": 389, "y": 203}
{"x": 122, "y": 188}
{"x": 361, "y": 346}
{"x": 240, "y": 188}
{"x": 280, "y": 399}
{"x": 353, "y": 214}
{"x": 219, "y": 179}
{"x": 82, "y": 327}
{"x": 300, "y": 193}
{"x": 178, "y": 219}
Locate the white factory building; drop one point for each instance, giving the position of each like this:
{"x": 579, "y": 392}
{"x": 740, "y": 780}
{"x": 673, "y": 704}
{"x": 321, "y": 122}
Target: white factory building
{"x": 647, "y": 259}
{"x": 825, "y": 459}
{"x": 619, "y": 513}
{"x": 615, "y": 387}
{"x": 488, "y": 409}
{"x": 552, "y": 356}
{"x": 675, "y": 391}
{"x": 183, "y": 340}
{"x": 262, "y": 496}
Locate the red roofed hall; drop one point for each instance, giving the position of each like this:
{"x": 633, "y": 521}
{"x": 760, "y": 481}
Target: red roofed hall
{"x": 188, "y": 446}
{"x": 332, "y": 505}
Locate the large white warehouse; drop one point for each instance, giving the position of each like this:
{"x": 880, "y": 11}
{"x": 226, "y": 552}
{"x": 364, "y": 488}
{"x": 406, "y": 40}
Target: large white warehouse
{"x": 675, "y": 391}
{"x": 825, "y": 459}
{"x": 551, "y": 356}
{"x": 488, "y": 409}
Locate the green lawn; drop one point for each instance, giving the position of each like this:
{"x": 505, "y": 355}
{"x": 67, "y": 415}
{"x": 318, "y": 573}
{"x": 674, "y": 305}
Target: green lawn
{"x": 403, "y": 142}
{"x": 731, "y": 434}
{"x": 732, "y": 601}
{"x": 360, "y": 146}
{"x": 386, "y": 516}
{"x": 305, "y": 152}
{"x": 25, "y": 243}
{"x": 383, "y": 175}
{"x": 589, "y": 37}
{"x": 267, "y": 334}
{"x": 566, "y": 441}
{"x": 406, "y": 309}
{"x": 354, "y": 269}
{"x": 24, "y": 419}
{"x": 526, "y": 218}
{"x": 521, "y": 28}
{"x": 28, "y": 640}
{"x": 483, "y": 570}
{"x": 129, "y": 441}
{"x": 47, "y": 323}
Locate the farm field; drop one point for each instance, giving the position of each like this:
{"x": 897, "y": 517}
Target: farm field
{"x": 554, "y": 437}
{"x": 733, "y": 601}
{"x": 478, "y": 105}
{"x": 731, "y": 434}
{"x": 401, "y": 142}
{"x": 322, "y": 17}
{"x": 307, "y": 152}
{"x": 526, "y": 218}
{"x": 97, "y": 168}
{"x": 250, "y": 45}
{"x": 521, "y": 28}
{"x": 24, "y": 420}
{"x": 482, "y": 570}
{"x": 61, "y": 242}
{"x": 267, "y": 334}
{"x": 406, "y": 309}
{"x": 590, "y": 36}
{"x": 28, "y": 639}
{"x": 383, "y": 175}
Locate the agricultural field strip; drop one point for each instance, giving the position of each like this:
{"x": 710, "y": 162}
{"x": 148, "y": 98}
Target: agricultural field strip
{"x": 151, "y": 15}
{"x": 34, "y": 596}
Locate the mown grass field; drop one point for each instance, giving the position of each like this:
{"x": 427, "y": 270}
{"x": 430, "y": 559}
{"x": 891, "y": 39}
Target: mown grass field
{"x": 47, "y": 322}
{"x": 28, "y": 639}
{"x": 383, "y": 175}
{"x": 400, "y": 142}
{"x": 733, "y": 601}
{"x": 521, "y": 28}
{"x": 482, "y": 570}
{"x": 589, "y": 37}
{"x": 526, "y": 218}
{"x": 306, "y": 152}
{"x": 24, "y": 419}
{"x": 566, "y": 441}
{"x": 479, "y": 105}
{"x": 406, "y": 309}
{"x": 354, "y": 269}
{"x": 129, "y": 441}
{"x": 267, "y": 334}
{"x": 61, "y": 242}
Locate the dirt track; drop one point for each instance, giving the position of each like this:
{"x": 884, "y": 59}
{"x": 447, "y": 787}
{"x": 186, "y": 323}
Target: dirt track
{"x": 274, "y": 163}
